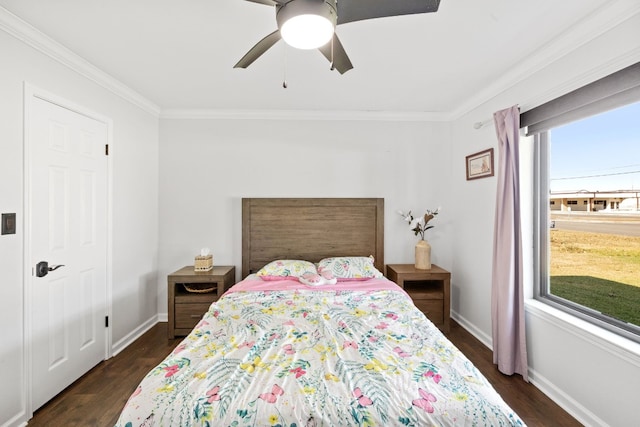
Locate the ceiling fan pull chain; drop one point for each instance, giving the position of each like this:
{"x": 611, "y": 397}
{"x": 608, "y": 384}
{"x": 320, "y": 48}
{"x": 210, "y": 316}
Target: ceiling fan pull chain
{"x": 284, "y": 66}
{"x": 332, "y": 66}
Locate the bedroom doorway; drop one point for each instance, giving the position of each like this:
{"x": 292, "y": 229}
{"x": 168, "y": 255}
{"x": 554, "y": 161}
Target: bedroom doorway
{"x": 66, "y": 225}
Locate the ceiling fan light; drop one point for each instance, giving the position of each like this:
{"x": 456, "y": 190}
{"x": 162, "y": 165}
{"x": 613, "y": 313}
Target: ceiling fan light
{"x": 307, "y": 31}
{"x": 307, "y": 24}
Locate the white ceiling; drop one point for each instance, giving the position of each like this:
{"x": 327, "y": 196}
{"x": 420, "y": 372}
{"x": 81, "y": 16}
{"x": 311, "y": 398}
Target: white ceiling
{"x": 180, "y": 54}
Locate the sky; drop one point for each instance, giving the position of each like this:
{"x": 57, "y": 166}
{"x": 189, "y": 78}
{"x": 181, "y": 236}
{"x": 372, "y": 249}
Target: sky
{"x": 599, "y": 153}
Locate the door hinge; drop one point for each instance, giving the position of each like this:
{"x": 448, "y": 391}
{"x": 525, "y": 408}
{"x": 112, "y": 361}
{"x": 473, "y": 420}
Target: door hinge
{"x": 106, "y": 321}
{"x": 106, "y": 149}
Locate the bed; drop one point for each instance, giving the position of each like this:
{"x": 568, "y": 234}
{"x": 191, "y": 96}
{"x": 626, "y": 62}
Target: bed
{"x": 348, "y": 349}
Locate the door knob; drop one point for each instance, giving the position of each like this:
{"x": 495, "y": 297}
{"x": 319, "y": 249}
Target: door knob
{"x": 42, "y": 268}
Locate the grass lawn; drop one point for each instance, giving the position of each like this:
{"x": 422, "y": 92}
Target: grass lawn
{"x": 599, "y": 271}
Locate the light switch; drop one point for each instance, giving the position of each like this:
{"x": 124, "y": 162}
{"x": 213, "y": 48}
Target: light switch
{"x": 8, "y": 223}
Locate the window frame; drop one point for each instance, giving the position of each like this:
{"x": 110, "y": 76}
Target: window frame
{"x": 542, "y": 250}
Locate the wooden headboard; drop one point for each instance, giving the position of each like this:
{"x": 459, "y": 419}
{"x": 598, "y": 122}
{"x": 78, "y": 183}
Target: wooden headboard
{"x": 310, "y": 229}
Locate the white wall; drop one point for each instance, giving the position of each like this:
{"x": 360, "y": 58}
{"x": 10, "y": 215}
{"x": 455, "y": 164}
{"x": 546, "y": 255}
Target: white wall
{"x": 584, "y": 371}
{"x": 208, "y": 166}
{"x": 135, "y": 206}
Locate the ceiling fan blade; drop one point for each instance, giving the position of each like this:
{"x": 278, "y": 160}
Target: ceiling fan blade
{"x": 341, "y": 61}
{"x": 358, "y": 10}
{"x": 261, "y": 47}
{"x": 265, "y": 2}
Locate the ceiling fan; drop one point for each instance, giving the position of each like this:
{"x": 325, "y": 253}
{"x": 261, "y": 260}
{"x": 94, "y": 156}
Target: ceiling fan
{"x": 310, "y": 24}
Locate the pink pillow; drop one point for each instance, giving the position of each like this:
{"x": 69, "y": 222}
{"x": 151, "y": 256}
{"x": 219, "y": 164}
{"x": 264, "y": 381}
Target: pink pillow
{"x": 328, "y": 277}
{"x": 312, "y": 279}
{"x": 271, "y": 278}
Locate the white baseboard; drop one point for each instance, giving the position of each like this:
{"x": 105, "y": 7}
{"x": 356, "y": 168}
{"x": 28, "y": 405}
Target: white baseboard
{"x": 471, "y": 328}
{"x": 17, "y": 421}
{"x": 133, "y": 335}
{"x": 163, "y": 317}
{"x": 566, "y": 402}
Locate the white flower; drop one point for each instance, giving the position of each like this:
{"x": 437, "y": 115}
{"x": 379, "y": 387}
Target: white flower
{"x": 406, "y": 216}
{"x": 420, "y": 225}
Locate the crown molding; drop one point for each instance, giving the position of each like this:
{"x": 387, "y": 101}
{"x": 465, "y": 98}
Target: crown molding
{"x": 611, "y": 15}
{"x": 31, "y": 36}
{"x": 380, "y": 116}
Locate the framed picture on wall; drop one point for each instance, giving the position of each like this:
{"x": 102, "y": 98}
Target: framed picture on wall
{"x": 480, "y": 165}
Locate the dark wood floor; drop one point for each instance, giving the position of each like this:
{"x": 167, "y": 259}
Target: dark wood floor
{"x": 97, "y": 398}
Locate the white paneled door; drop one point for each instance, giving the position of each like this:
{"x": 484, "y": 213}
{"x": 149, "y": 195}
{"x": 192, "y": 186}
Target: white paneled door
{"x": 67, "y": 193}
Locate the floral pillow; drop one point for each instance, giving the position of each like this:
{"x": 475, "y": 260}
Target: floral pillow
{"x": 350, "y": 268}
{"x": 286, "y": 268}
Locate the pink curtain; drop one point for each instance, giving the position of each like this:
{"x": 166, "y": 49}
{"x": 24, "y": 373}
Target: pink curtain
{"x": 507, "y": 300}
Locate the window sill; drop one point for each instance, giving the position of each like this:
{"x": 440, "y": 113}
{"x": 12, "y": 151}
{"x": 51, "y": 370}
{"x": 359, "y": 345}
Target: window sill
{"x": 619, "y": 346}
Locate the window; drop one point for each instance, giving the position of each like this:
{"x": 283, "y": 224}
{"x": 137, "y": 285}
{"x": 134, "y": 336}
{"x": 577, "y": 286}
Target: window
{"x": 588, "y": 260}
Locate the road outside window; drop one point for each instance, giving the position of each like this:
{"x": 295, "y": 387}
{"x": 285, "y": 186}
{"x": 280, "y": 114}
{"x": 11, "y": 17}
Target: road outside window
{"x": 594, "y": 217}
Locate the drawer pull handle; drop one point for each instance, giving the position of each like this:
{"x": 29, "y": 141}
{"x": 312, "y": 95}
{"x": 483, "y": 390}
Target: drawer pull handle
{"x": 195, "y": 316}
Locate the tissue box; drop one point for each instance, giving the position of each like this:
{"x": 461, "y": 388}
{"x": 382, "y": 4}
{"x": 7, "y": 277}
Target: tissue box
{"x": 203, "y": 263}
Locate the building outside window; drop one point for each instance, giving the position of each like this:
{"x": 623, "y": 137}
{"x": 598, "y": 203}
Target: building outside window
{"x": 587, "y": 157}
{"x": 594, "y": 255}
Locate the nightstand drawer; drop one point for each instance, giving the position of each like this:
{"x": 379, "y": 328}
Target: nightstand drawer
{"x": 433, "y": 309}
{"x": 425, "y": 292}
{"x": 188, "y": 315}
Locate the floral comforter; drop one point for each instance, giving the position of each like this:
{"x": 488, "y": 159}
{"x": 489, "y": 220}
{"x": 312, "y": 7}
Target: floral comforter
{"x": 283, "y": 354}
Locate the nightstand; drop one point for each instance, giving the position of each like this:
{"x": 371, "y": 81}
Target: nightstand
{"x": 429, "y": 289}
{"x": 187, "y": 308}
